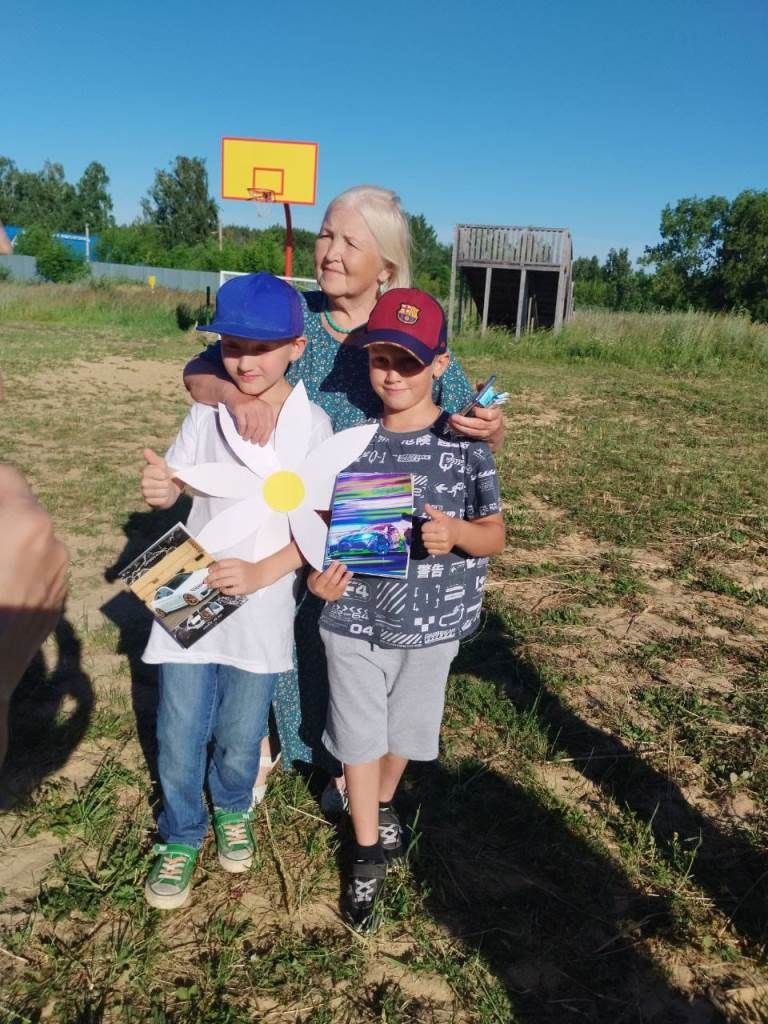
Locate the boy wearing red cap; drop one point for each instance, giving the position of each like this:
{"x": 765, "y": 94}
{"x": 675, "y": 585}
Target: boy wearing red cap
{"x": 390, "y": 643}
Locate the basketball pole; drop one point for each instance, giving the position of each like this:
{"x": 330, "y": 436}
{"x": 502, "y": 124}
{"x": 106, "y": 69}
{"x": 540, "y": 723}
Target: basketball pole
{"x": 288, "y": 271}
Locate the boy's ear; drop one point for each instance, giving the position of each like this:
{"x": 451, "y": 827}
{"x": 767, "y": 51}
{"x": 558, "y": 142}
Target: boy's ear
{"x": 297, "y": 348}
{"x": 440, "y": 365}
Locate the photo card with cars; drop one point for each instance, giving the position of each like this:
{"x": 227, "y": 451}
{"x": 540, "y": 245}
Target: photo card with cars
{"x": 371, "y": 520}
{"x": 169, "y": 577}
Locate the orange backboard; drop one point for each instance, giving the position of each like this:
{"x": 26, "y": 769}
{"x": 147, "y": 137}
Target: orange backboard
{"x": 286, "y": 171}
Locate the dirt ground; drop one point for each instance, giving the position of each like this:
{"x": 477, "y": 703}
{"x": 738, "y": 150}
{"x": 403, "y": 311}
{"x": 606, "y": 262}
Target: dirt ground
{"x": 611, "y": 630}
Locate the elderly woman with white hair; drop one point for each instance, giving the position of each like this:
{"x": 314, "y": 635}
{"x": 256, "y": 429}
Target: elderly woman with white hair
{"x": 362, "y": 249}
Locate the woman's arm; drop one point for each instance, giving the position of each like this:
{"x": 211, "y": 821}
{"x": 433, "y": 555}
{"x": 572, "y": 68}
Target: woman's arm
{"x": 208, "y": 383}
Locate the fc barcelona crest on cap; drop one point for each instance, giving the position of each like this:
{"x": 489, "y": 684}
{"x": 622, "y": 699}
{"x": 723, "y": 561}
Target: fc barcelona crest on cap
{"x": 408, "y": 314}
{"x": 409, "y": 318}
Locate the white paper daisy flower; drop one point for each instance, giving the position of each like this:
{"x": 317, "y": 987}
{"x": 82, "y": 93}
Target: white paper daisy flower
{"x": 277, "y": 489}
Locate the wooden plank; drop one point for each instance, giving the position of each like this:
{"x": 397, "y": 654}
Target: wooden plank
{"x": 559, "y": 301}
{"x": 522, "y": 298}
{"x": 486, "y": 299}
{"x": 512, "y": 246}
{"x": 452, "y": 299}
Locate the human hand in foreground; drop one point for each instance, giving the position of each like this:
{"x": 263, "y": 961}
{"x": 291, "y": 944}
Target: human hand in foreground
{"x": 254, "y": 418}
{"x": 439, "y": 535}
{"x": 235, "y": 576}
{"x": 33, "y": 584}
{"x": 330, "y": 584}
{"x": 157, "y": 484}
{"x": 482, "y": 425}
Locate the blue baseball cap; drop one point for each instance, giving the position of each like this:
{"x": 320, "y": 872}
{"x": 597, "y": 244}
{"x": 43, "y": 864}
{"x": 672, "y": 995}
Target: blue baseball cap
{"x": 257, "y": 306}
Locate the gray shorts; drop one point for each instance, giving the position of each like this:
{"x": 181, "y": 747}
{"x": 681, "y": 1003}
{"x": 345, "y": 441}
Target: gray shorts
{"x": 383, "y": 700}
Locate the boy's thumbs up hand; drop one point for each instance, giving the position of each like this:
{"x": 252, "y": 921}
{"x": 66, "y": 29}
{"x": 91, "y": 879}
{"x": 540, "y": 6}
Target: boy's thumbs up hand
{"x": 157, "y": 486}
{"x": 440, "y": 533}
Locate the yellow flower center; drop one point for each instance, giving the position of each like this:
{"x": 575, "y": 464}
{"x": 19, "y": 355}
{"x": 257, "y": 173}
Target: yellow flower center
{"x": 283, "y": 491}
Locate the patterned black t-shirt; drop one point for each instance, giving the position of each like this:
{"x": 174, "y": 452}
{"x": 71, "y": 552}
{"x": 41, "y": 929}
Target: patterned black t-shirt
{"x": 442, "y": 597}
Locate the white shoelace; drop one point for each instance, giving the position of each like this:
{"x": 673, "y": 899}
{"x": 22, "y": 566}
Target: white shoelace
{"x": 235, "y": 833}
{"x": 172, "y": 867}
{"x": 389, "y": 834}
{"x": 365, "y": 889}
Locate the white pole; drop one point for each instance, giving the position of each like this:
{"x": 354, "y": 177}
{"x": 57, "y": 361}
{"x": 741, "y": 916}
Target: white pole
{"x": 87, "y": 245}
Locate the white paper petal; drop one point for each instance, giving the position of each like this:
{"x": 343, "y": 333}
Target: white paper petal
{"x": 262, "y": 461}
{"x": 294, "y": 425}
{"x": 273, "y": 535}
{"x": 233, "y": 524}
{"x": 310, "y": 533}
{"x": 330, "y": 458}
{"x": 220, "y": 480}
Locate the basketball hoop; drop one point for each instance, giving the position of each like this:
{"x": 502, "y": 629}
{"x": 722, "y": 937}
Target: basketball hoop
{"x": 261, "y": 195}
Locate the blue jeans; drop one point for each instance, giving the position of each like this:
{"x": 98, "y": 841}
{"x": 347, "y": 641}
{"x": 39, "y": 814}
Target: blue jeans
{"x": 200, "y": 704}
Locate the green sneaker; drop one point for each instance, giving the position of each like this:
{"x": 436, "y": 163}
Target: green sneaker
{"x": 234, "y": 839}
{"x": 169, "y": 881}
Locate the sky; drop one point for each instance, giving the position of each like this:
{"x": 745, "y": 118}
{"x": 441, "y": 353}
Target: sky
{"x": 588, "y": 116}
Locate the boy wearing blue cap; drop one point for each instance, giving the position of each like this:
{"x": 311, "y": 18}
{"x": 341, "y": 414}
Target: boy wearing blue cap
{"x": 218, "y": 691}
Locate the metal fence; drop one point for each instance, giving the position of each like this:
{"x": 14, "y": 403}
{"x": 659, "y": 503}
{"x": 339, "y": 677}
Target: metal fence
{"x": 24, "y": 268}
{"x": 165, "y": 277}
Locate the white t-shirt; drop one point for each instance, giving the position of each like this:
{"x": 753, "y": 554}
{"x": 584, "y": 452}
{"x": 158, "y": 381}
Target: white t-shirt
{"x": 258, "y": 637}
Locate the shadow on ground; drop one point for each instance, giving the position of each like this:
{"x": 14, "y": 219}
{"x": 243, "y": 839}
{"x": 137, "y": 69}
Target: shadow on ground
{"x": 558, "y": 922}
{"x": 49, "y": 717}
{"x": 728, "y": 867}
{"x": 134, "y": 623}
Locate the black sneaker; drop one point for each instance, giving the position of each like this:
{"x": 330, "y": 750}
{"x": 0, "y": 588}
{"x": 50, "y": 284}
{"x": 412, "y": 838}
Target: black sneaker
{"x": 391, "y": 834}
{"x": 365, "y": 886}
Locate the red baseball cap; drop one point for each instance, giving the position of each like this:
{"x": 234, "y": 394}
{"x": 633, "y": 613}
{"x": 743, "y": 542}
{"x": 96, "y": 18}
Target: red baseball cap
{"x": 409, "y": 318}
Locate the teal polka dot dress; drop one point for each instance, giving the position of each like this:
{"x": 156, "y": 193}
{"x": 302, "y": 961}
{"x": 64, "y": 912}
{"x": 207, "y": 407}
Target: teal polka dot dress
{"x": 336, "y": 378}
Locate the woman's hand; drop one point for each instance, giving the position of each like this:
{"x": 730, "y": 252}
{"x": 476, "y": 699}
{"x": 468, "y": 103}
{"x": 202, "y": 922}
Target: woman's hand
{"x": 255, "y": 419}
{"x": 234, "y": 576}
{"x": 482, "y": 425}
{"x": 209, "y": 384}
{"x": 330, "y": 584}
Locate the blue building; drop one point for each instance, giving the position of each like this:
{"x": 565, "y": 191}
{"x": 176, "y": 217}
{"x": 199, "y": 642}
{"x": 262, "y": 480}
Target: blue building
{"x": 83, "y": 247}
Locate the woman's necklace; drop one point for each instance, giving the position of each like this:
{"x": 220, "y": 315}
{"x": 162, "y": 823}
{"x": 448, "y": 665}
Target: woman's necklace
{"x": 335, "y": 326}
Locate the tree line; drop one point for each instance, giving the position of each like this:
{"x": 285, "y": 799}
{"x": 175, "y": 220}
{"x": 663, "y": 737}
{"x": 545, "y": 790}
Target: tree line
{"x": 712, "y": 253}
{"x": 178, "y": 226}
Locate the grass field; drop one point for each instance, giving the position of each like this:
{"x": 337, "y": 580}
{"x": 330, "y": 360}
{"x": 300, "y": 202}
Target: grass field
{"x": 591, "y": 845}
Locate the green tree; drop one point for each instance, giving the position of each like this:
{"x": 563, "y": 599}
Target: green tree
{"x": 94, "y": 203}
{"x": 55, "y": 260}
{"x": 745, "y": 254}
{"x": 614, "y": 285}
{"x": 688, "y": 258}
{"x": 137, "y": 243}
{"x": 619, "y": 276}
{"x": 41, "y": 197}
{"x": 179, "y": 203}
{"x": 587, "y": 268}
{"x": 430, "y": 259}
{"x": 8, "y": 179}
{"x": 589, "y": 285}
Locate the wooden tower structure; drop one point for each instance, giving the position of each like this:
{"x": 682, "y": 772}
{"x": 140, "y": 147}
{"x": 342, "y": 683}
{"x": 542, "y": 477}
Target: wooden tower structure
{"x": 515, "y": 277}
